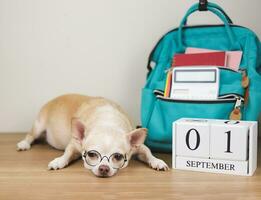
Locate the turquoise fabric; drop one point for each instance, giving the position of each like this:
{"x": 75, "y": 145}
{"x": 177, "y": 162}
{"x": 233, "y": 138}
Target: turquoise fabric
{"x": 157, "y": 115}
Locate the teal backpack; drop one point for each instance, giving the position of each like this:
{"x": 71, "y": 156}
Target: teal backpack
{"x": 159, "y": 112}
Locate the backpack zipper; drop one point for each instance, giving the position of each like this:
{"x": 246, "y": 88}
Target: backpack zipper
{"x": 242, "y": 71}
{"x": 227, "y": 98}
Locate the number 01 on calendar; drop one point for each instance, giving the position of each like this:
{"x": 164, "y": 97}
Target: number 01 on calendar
{"x": 218, "y": 146}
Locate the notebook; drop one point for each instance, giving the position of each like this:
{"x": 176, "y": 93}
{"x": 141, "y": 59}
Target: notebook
{"x": 200, "y": 59}
{"x": 233, "y": 57}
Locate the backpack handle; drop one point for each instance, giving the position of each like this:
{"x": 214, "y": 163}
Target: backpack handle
{"x": 234, "y": 45}
{"x": 217, "y": 7}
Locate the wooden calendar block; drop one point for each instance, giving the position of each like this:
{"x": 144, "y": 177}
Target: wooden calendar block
{"x": 229, "y": 140}
{"x": 209, "y": 165}
{"x": 193, "y": 138}
{"x": 217, "y": 146}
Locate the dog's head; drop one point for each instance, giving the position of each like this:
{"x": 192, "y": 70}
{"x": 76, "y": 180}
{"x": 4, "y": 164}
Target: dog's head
{"x": 105, "y": 154}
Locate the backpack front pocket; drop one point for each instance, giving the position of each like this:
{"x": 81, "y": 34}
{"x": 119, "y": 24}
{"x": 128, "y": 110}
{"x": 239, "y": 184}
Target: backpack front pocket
{"x": 167, "y": 110}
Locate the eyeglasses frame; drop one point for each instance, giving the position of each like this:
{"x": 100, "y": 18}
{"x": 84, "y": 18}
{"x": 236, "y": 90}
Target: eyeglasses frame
{"x": 102, "y": 157}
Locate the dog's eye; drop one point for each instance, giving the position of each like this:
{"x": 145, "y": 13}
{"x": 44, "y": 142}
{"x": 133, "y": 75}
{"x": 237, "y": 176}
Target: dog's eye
{"x": 91, "y": 154}
{"x": 92, "y": 158}
{"x": 118, "y": 156}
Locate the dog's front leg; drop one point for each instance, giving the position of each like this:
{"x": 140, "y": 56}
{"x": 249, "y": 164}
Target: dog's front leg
{"x": 144, "y": 154}
{"x": 71, "y": 153}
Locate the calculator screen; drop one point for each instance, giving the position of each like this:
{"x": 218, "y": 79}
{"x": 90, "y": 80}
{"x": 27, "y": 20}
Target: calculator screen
{"x": 195, "y": 76}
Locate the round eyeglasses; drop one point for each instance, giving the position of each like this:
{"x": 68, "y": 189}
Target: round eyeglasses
{"x": 93, "y": 158}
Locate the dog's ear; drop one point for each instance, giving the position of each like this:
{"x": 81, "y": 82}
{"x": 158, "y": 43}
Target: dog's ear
{"x": 137, "y": 137}
{"x": 78, "y": 129}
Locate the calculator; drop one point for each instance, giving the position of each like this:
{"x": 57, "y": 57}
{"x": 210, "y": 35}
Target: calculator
{"x": 195, "y": 83}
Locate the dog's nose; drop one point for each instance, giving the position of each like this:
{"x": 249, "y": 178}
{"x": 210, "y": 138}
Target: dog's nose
{"x": 104, "y": 169}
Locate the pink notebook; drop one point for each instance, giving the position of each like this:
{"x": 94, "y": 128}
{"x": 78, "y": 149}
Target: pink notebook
{"x": 233, "y": 57}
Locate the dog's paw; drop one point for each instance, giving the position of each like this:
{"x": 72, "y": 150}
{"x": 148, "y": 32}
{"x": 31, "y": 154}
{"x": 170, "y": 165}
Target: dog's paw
{"x": 158, "y": 164}
{"x": 23, "y": 145}
{"x": 57, "y": 163}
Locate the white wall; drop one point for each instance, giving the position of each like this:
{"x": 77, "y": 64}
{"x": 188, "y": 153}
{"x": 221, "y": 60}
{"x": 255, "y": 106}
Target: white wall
{"x": 52, "y": 47}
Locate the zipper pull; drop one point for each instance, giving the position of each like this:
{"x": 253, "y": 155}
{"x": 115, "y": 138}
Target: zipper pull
{"x": 245, "y": 84}
{"x": 236, "y": 112}
{"x": 245, "y": 80}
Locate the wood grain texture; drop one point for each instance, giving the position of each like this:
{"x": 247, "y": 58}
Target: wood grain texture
{"x": 24, "y": 175}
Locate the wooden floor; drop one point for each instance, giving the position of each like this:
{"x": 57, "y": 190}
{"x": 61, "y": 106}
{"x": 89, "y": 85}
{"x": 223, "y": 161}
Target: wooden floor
{"x": 24, "y": 175}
